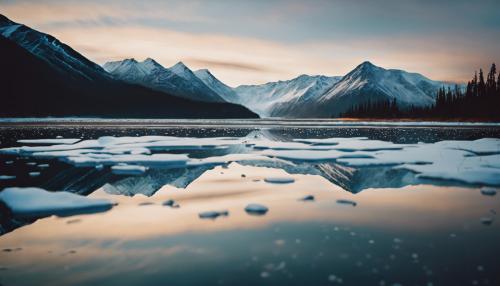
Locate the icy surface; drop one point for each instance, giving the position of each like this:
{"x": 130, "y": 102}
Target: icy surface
{"x": 36, "y": 202}
{"x": 48, "y": 141}
{"x": 375, "y": 163}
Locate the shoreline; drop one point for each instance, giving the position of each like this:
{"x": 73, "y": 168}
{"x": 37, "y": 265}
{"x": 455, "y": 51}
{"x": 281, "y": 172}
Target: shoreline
{"x": 241, "y": 123}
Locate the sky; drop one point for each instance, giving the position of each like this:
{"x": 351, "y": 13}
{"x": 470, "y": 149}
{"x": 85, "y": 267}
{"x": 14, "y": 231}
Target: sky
{"x": 253, "y": 42}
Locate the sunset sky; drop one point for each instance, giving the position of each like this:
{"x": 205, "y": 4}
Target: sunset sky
{"x": 249, "y": 42}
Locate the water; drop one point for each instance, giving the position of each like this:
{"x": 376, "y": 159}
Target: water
{"x": 402, "y": 229}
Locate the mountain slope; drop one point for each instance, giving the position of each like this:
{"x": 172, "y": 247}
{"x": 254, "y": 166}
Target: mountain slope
{"x": 58, "y": 55}
{"x": 177, "y": 80}
{"x": 276, "y": 97}
{"x": 38, "y": 82}
{"x": 320, "y": 96}
{"x": 368, "y": 82}
{"x": 226, "y": 92}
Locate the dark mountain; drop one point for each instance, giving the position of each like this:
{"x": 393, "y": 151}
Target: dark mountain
{"x": 41, "y": 76}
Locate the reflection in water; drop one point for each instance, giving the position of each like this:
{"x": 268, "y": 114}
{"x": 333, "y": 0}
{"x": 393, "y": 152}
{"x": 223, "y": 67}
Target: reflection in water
{"x": 273, "y": 221}
{"x": 419, "y": 231}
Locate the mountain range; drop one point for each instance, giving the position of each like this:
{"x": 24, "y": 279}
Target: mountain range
{"x": 177, "y": 80}
{"x": 42, "y": 76}
{"x": 63, "y": 82}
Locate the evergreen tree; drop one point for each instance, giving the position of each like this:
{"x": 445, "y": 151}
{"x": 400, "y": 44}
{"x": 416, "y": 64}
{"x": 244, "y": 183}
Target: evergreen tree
{"x": 490, "y": 81}
{"x": 481, "y": 85}
{"x": 498, "y": 85}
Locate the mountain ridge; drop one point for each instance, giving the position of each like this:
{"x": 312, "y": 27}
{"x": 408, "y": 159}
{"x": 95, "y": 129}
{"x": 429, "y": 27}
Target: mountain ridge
{"x": 177, "y": 80}
{"x": 53, "y": 87}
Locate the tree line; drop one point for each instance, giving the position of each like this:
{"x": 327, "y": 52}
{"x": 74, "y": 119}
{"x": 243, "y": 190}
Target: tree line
{"x": 479, "y": 100}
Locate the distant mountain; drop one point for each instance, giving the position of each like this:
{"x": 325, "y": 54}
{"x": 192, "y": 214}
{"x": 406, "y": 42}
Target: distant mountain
{"x": 43, "y": 77}
{"x": 368, "y": 82}
{"x": 226, "y": 92}
{"x": 275, "y": 98}
{"x": 321, "y": 96}
{"x": 178, "y": 80}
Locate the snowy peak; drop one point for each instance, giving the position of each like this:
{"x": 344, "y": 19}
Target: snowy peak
{"x": 274, "y": 98}
{"x": 145, "y": 66}
{"x": 226, "y": 92}
{"x": 178, "y": 80}
{"x": 370, "y": 83}
{"x": 182, "y": 70}
{"x": 204, "y": 73}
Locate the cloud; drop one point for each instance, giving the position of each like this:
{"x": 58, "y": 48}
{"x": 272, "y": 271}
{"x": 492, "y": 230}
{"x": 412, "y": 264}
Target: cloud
{"x": 245, "y": 42}
{"x": 230, "y": 65}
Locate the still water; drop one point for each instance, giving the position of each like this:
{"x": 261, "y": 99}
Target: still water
{"x": 348, "y": 212}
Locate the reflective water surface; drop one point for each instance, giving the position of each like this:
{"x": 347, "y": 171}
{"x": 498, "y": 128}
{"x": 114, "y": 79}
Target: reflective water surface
{"x": 328, "y": 223}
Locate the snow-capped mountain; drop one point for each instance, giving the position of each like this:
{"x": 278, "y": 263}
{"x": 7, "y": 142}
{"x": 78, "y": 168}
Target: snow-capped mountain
{"x": 178, "y": 80}
{"x": 265, "y": 99}
{"x": 321, "y": 96}
{"x": 51, "y": 50}
{"x": 226, "y": 92}
{"x": 44, "y": 77}
{"x": 368, "y": 82}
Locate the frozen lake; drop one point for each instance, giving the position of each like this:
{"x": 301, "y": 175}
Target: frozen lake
{"x": 248, "y": 202}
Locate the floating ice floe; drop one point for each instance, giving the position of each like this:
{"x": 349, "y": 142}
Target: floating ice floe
{"x": 34, "y": 174}
{"x": 486, "y": 220}
{"x": 36, "y": 202}
{"x": 328, "y": 141}
{"x": 128, "y": 170}
{"x": 154, "y": 160}
{"x": 7, "y": 177}
{"x": 465, "y": 162}
{"x": 48, "y": 141}
{"x": 256, "y": 209}
{"x": 212, "y": 214}
{"x": 171, "y": 203}
{"x": 487, "y": 191}
{"x": 307, "y": 198}
{"x": 146, "y": 204}
{"x": 43, "y": 166}
{"x": 314, "y": 155}
{"x": 279, "y": 180}
{"x": 347, "y": 202}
